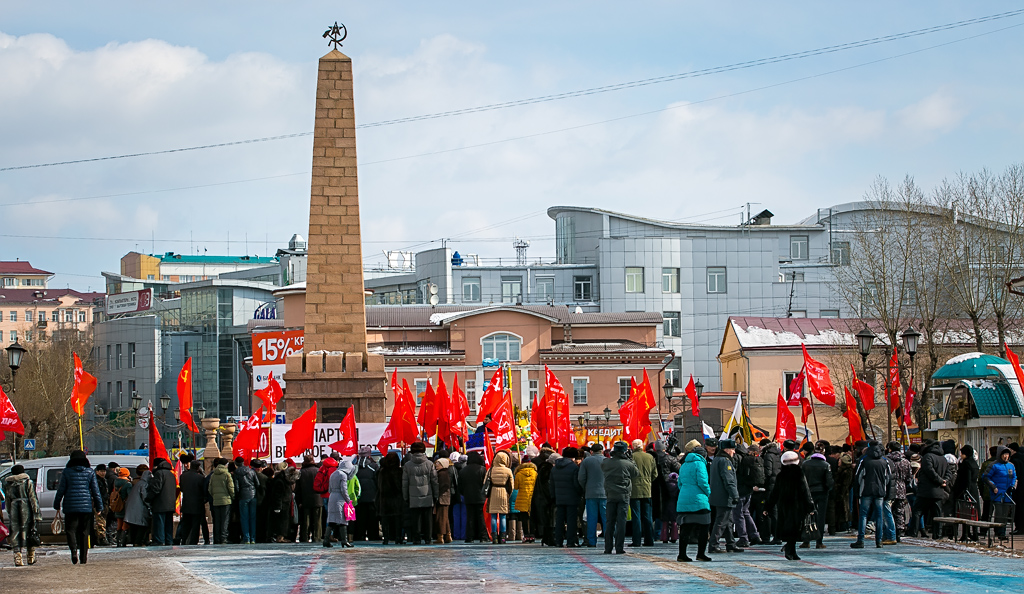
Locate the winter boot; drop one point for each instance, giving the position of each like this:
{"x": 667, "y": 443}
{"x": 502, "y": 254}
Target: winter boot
{"x": 501, "y": 538}
{"x": 343, "y": 537}
{"x": 83, "y": 555}
{"x": 327, "y": 535}
{"x": 17, "y": 558}
{"x": 31, "y": 556}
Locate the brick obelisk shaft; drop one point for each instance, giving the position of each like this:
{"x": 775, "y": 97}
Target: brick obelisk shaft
{"x": 334, "y": 368}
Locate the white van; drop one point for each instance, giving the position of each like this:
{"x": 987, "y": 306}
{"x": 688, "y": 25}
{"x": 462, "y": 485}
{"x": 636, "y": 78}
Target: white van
{"x": 45, "y": 472}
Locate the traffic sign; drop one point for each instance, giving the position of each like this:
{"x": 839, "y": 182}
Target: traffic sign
{"x": 30, "y": 444}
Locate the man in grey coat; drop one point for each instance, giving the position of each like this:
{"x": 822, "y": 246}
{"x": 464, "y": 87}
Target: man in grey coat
{"x": 725, "y": 495}
{"x": 592, "y": 480}
{"x": 619, "y": 474}
{"x": 419, "y": 490}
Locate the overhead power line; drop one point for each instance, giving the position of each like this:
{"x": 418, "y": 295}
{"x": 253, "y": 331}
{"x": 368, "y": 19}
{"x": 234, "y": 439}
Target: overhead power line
{"x": 570, "y": 94}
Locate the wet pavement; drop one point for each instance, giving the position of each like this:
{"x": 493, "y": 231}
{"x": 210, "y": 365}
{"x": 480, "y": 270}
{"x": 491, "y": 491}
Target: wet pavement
{"x": 300, "y": 569}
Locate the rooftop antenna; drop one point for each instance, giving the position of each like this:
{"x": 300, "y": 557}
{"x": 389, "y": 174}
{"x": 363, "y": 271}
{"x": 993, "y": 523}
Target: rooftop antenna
{"x": 520, "y": 245}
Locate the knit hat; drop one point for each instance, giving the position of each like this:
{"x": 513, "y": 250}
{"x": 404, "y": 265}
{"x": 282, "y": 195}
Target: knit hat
{"x": 17, "y": 469}
{"x": 442, "y": 463}
{"x": 123, "y": 473}
{"x": 790, "y": 458}
{"x": 967, "y": 450}
{"x": 365, "y": 450}
{"x": 454, "y": 457}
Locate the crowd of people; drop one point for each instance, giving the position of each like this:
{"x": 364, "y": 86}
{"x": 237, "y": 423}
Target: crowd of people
{"x": 722, "y": 496}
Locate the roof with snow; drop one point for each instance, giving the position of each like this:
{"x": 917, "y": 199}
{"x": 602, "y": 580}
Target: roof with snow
{"x": 20, "y": 267}
{"x": 970, "y": 366}
{"x": 426, "y": 316}
{"x": 45, "y": 296}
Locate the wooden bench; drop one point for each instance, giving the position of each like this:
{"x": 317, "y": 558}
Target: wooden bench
{"x": 991, "y": 526}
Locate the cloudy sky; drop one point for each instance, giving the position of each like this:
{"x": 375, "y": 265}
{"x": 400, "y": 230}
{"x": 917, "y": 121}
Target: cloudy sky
{"x": 98, "y": 79}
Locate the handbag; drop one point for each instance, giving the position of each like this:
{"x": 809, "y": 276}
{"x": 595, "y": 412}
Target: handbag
{"x": 57, "y": 525}
{"x": 32, "y": 539}
{"x": 811, "y": 524}
{"x": 349, "y": 511}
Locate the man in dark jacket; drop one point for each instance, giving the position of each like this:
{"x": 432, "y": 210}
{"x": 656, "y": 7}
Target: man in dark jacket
{"x": 564, "y": 488}
{"x": 367, "y": 526}
{"x": 193, "y": 504}
{"x": 262, "y": 479}
{"x": 931, "y": 485}
{"x": 419, "y": 490}
{"x": 99, "y": 533}
{"x": 309, "y": 501}
{"x": 724, "y": 496}
{"x": 162, "y": 495}
{"x": 471, "y": 484}
{"x": 245, "y": 497}
{"x": 749, "y": 478}
{"x": 872, "y": 484}
{"x": 771, "y": 460}
{"x": 619, "y": 474}
{"x": 818, "y": 473}
{"x": 591, "y": 479}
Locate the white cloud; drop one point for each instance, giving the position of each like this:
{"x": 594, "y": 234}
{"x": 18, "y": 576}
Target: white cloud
{"x": 938, "y": 112}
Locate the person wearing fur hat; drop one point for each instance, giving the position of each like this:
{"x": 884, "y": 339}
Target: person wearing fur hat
{"x": 281, "y": 494}
{"x": 23, "y": 509}
{"x": 791, "y": 499}
{"x": 367, "y": 524}
{"x": 136, "y": 510}
{"x": 442, "y": 529}
{"x": 78, "y": 496}
{"x": 419, "y": 490}
{"x": 724, "y": 496}
{"x": 123, "y": 487}
{"x": 565, "y": 490}
{"x": 619, "y": 474}
{"x": 337, "y": 524}
{"x": 222, "y": 493}
{"x": 389, "y": 498}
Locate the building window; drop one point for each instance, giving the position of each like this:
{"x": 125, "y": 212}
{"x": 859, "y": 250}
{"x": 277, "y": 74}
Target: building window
{"x": 131, "y": 355}
{"x": 28, "y": 315}
{"x": 670, "y": 324}
{"x": 503, "y": 347}
{"x": 579, "y": 390}
{"x": 69, "y": 315}
{"x": 81, "y": 315}
{"x": 471, "y": 289}
{"x": 511, "y": 289}
{"x": 787, "y": 379}
{"x": 42, "y": 316}
{"x": 131, "y": 388}
{"x": 674, "y": 372}
{"x": 471, "y": 394}
{"x": 55, "y": 316}
{"x": 28, "y": 336}
{"x": 117, "y": 357}
{"x": 420, "y": 386}
{"x": 841, "y": 253}
{"x": 868, "y": 298}
{"x": 14, "y": 316}
{"x": 108, "y": 358}
{"x": 581, "y": 288}
{"x": 120, "y": 395}
{"x": 533, "y": 387}
{"x": 798, "y": 313}
{"x": 908, "y": 294}
{"x": 798, "y": 247}
{"x": 669, "y": 280}
{"x": 634, "y": 279}
{"x": 14, "y": 336}
{"x": 565, "y": 239}
{"x": 830, "y": 313}
{"x": 716, "y": 279}
{"x": 42, "y": 335}
{"x": 10, "y": 282}
{"x": 110, "y": 394}
{"x": 545, "y": 288}
{"x": 791, "y": 277}
{"x": 624, "y": 385}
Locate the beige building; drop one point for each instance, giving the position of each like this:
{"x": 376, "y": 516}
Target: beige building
{"x": 33, "y": 312}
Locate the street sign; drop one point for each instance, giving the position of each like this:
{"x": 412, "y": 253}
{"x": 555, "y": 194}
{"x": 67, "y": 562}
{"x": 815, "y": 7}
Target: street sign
{"x": 143, "y": 417}
{"x": 30, "y": 444}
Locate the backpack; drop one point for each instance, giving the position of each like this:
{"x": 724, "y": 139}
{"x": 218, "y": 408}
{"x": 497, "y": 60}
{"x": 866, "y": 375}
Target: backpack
{"x": 322, "y": 480}
{"x": 116, "y": 502}
{"x": 354, "y": 490}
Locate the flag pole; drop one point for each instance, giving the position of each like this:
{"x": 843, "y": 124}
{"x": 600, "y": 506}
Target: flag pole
{"x": 814, "y": 415}
{"x": 81, "y": 438}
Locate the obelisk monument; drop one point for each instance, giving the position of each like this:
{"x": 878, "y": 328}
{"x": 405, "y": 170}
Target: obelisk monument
{"x": 334, "y": 368}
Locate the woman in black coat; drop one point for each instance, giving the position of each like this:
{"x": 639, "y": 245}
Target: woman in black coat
{"x": 966, "y": 485}
{"x": 389, "y": 497}
{"x": 791, "y": 500}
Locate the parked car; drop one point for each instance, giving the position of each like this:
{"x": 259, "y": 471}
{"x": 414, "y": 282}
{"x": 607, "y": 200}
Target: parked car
{"x": 45, "y": 472}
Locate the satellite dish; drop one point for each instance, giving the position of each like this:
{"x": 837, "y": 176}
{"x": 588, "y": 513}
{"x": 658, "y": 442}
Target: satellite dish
{"x": 433, "y": 289}
{"x": 434, "y": 299}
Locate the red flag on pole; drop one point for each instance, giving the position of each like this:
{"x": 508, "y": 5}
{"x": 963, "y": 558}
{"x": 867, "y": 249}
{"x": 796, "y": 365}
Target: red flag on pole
{"x": 9, "y": 420}
{"x": 646, "y": 394}
{"x": 691, "y": 393}
{"x": 796, "y": 389}
{"x": 1015, "y": 362}
{"x": 443, "y": 400}
{"x": 428, "y": 411}
{"x": 558, "y": 402}
{"x": 402, "y": 425}
{"x": 853, "y": 417}
{"x": 458, "y": 413}
{"x": 491, "y": 398}
{"x": 348, "y": 444}
{"x": 248, "y": 439}
{"x": 894, "y": 382}
{"x": 270, "y": 396}
{"x": 818, "y": 379}
{"x": 805, "y": 410}
{"x": 157, "y": 449}
{"x": 865, "y": 390}
{"x": 185, "y": 396}
{"x": 536, "y": 421}
{"x": 908, "y": 419}
{"x": 503, "y": 423}
{"x": 299, "y": 438}
{"x": 85, "y": 385}
{"x": 785, "y": 423}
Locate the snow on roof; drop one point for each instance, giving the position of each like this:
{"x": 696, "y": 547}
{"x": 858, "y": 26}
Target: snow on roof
{"x": 758, "y": 332}
{"x": 439, "y": 318}
{"x": 964, "y": 357}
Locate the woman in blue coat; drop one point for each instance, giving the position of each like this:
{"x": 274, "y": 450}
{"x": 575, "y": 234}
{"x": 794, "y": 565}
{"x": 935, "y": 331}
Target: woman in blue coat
{"x": 692, "y": 505}
{"x": 78, "y": 496}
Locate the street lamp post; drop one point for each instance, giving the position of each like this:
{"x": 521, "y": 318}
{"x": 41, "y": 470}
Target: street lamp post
{"x": 910, "y": 339}
{"x": 865, "y": 338}
{"x": 15, "y": 353}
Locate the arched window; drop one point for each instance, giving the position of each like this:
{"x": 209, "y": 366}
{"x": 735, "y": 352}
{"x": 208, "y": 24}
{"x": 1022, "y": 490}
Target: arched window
{"x": 503, "y": 347}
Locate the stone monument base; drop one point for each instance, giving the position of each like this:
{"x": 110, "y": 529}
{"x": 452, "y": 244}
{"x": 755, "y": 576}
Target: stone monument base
{"x": 336, "y": 381}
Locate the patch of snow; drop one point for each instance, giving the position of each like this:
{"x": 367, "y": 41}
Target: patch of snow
{"x": 754, "y": 336}
{"x": 964, "y": 357}
{"x": 984, "y": 384}
{"x": 439, "y": 318}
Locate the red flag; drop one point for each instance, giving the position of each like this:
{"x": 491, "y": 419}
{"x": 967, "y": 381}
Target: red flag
{"x": 491, "y": 397}
{"x": 796, "y": 389}
{"x": 558, "y": 403}
{"x": 908, "y": 419}
{"x": 894, "y": 382}
{"x": 9, "y": 420}
{"x": 157, "y": 449}
{"x": 691, "y": 393}
{"x": 248, "y": 439}
{"x": 865, "y": 390}
{"x": 348, "y": 445}
{"x": 647, "y": 400}
{"x": 85, "y": 385}
{"x": 1015, "y": 362}
{"x": 402, "y": 425}
{"x": 185, "y": 396}
{"x": 818, "y": 379}
{"x": 627, "y": 417}
{"x": 443, "y": 400}
{"x": 805, "y": 410}
{"x": 503, "y": 424}
{"x": 299, "y": 438}
{"x": 537, "y": 421}
{"x": 785, "y": 423}
{"x": 853, "y": 417}
{"x": 270, "y": 396}
{"x": 428, "y": 411}
{"x": 457, "y": 413}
